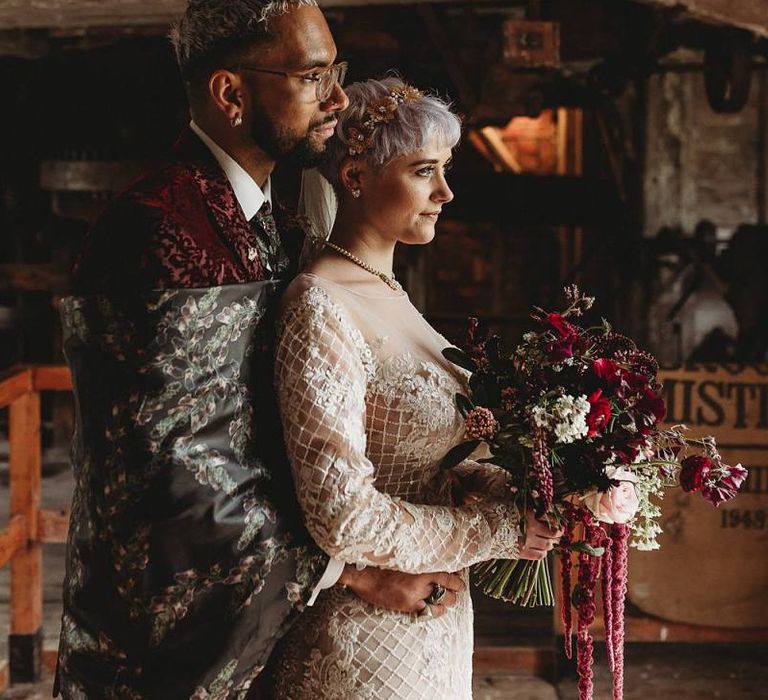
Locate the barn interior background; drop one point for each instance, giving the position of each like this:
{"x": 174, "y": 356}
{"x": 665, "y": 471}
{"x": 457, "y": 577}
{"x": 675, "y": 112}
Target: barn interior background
{"x": 619, "y": 144}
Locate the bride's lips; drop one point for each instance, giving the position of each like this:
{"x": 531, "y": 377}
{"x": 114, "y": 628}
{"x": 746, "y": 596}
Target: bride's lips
{"x": 432, "y": 215}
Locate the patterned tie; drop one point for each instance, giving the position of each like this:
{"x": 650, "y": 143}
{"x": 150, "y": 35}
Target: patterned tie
{"x": 268, "y": 245}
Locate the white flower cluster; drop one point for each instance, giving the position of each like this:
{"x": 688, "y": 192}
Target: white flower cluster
{"x": 645, "y": 527}
{"x": 566, "y": 417}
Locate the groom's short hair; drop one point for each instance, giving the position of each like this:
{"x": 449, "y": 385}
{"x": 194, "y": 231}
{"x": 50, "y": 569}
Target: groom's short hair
{"x": 214, "y": 33}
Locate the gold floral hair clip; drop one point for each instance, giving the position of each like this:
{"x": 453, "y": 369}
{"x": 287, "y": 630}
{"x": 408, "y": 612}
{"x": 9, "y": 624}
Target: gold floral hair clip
{"x": 360, "y": 134}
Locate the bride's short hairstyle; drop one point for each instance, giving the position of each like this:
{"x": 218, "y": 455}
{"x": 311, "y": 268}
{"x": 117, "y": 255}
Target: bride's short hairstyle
{"x": 416, "y": 122}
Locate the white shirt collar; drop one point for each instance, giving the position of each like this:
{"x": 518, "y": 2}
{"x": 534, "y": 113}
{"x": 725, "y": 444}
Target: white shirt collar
{"x": 249, "y": 195}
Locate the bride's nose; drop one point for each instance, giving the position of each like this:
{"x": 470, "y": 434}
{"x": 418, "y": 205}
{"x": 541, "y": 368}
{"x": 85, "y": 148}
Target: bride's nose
{"x": 443, "y": 193}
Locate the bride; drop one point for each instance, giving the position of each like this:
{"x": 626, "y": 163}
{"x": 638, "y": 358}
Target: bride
{"x": 367, "y": 402}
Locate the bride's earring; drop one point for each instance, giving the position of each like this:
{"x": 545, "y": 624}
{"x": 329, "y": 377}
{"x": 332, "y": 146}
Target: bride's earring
{"x": 237, "y": 120}
{"x": 356, "y": 192}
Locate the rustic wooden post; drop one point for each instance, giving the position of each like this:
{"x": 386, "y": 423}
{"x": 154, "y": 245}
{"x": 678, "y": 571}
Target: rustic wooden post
{"x": 26, "y": 638}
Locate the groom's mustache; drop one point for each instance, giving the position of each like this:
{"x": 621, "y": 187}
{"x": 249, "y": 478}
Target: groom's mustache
{"x": 327, "y": 120}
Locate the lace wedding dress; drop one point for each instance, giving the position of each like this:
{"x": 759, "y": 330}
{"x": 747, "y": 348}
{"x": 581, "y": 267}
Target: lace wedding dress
{"x": 368, "y": 409}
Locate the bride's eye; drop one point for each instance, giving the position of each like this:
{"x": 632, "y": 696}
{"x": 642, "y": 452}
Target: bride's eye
{"x": 426, "y": 172}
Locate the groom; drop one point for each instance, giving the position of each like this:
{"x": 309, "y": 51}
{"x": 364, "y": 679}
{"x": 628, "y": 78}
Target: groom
{"x": 187, "y": 558}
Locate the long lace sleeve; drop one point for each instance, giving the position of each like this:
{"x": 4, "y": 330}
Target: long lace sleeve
{"x": 322, "y": 369}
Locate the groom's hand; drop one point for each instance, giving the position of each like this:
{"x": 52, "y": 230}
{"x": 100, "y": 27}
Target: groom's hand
{"x": 394, "y": 590}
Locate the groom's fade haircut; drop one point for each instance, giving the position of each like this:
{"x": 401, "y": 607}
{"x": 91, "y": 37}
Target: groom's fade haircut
{"x": 216, "y": 34}
{"x": 415, "y": 123}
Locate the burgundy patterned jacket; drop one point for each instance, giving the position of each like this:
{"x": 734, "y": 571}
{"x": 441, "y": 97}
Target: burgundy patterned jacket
{"x": 179, "y": 226}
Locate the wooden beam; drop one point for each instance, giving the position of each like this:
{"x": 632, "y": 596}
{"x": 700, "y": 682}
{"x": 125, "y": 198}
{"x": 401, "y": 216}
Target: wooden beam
{"x": 25, "y": 472}
{"x": 18, "y": 14}
{"x": 53, "y": 526}
{"x": 12, "y": 538}
{"x": 63, "y": 14}
{"x": 51, "y": 378}
{"x": 88, "y": 176}
{"x": 539, "y": 661}
{"x": 79, "y": 14}
{"x": 751, "y": 15}
{"x": 14, "y": 383}
{"x": 24, "y": 44}
{"x": 33, "y": 277}
{"x": 50, "y": 657}
{"x": 648, "y": 629}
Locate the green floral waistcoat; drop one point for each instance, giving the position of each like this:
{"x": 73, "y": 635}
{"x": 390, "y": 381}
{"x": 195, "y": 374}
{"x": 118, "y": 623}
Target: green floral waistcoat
{"x": 186, "y": 557}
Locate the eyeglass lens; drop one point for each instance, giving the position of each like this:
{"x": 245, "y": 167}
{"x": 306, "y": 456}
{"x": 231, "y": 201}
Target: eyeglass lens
{"x": 325, "y": 85}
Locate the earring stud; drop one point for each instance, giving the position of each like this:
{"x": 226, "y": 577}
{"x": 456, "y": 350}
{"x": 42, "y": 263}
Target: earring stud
{"x": 356, "y": 193}
{"x": 237, "y": 120}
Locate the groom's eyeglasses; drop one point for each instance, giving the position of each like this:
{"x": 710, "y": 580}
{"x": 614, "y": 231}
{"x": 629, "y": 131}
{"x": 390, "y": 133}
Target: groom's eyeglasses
{"x": 325, "y": 79}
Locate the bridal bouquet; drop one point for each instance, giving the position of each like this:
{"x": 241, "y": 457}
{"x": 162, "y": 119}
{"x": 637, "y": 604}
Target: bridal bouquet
{"x": 573, "y": 414}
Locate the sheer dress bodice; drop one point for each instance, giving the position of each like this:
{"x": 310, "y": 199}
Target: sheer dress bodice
{"x": 368, "y": 411}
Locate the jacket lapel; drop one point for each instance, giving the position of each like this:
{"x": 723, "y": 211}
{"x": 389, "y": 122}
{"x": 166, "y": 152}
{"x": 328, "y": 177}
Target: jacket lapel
{"x": 219, "y": 197}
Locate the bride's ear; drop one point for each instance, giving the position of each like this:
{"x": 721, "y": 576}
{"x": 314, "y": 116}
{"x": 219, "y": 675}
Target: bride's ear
{"x": 351, "y": 174}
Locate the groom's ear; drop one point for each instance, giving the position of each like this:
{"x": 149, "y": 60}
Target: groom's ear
{"x": 225, "y": 89}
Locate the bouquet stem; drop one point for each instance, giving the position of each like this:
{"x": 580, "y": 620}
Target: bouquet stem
{"x": 520, "y": 581}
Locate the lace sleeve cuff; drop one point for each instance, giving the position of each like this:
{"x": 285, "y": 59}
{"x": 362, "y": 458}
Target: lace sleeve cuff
{"x": 504, "y": 522}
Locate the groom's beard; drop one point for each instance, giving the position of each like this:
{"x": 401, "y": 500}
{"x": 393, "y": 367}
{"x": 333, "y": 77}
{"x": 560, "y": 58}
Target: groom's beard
{"x": 286, "y": 148}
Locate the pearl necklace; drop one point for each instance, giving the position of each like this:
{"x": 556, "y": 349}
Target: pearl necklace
{"x": 389, "y": 280}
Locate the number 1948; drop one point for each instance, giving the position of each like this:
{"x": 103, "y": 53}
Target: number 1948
{"x": 747, "y": 519}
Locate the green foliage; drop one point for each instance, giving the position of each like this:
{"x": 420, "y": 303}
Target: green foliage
{"x": 460, "y": 358}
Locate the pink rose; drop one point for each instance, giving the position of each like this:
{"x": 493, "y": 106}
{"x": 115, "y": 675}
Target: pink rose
{"x": 619, "y": 503}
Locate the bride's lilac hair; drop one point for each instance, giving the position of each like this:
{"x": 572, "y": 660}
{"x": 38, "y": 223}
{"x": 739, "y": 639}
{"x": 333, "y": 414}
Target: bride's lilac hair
{"x": 415, "y": 123}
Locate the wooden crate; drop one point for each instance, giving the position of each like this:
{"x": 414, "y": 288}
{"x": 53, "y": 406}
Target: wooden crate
{"x": 712, "y": 567}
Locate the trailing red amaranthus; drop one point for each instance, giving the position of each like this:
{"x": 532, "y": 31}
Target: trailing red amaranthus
{"x": 584, "y": 599}
{"x": 619, "y": 551}
{"x": 565, "y": 569}
{"x": 606, "y": 575}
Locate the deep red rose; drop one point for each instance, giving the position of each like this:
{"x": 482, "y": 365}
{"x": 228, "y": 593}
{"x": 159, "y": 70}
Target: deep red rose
{"x": 558, "y": 324}
{"x": 626, "y": 454}
{"x": 562, "y": 347}
{"x": 675, "y": 447}
{"x": 607, "y": 371}
{"x": 651, "y": 404}
{"x": 694, "y": 472}
{"x": 630, "y": 383}
{"x": 599, "y": 412}
{"x": 726, "y": 487}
